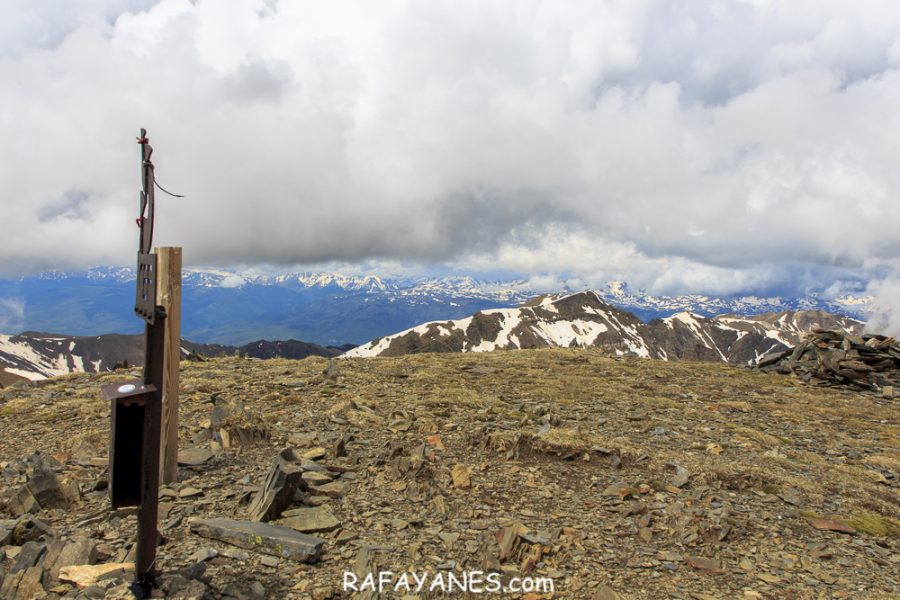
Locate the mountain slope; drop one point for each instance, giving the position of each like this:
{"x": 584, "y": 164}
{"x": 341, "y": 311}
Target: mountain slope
{"x": 584, "y": 319}
{"x": 35, "y": 355}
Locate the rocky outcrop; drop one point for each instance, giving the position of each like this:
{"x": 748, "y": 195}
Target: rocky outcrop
{"x": 832, "y": 357}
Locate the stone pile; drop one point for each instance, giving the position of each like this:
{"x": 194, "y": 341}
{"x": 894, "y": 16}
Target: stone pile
{"x": 43, "y": 488}
{"x": 230, "y": 424}
{"x": 831, "y": 357}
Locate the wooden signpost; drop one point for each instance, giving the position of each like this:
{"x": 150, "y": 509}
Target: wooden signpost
{"x": 168, "y": 295}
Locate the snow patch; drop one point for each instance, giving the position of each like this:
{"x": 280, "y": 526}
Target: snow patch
{"x": 510, "y": 318}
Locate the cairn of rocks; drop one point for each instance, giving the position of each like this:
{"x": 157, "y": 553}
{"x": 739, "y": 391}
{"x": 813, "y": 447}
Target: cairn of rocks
{"x": 831, "y": 357}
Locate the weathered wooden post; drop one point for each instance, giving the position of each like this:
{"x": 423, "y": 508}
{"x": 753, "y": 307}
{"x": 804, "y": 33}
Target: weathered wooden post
{"x": 169, "y": 297}
{"x": 136, "y": 407}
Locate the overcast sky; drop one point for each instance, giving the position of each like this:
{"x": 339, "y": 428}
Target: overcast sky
{"x": 711, "y": 147}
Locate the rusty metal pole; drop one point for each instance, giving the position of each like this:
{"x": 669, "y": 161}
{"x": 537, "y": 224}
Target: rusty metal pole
{"x": 148, "y": 513}
{"x": 154, "y": 365}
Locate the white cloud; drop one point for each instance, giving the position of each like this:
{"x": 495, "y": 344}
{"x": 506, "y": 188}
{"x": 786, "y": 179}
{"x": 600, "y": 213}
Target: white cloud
{"x": 884, "y": 317}
{"x": 232, "y": 280}
{"x": 12, "y": 314}
{"x": 693, "y": 147}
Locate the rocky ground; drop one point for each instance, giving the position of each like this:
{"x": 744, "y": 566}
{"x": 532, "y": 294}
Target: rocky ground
{"x": 617, "y": 478}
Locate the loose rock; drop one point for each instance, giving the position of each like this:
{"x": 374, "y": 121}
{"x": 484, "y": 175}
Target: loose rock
{"x": 310, "y": 520}
{"x": 281, "y": 484}
{"x": 86, "y": 575}
{"x": 261, "y": 537}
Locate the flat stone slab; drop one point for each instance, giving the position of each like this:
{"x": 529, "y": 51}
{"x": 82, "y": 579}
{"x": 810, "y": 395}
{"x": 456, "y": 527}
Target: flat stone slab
{"x": 85, "y": 575}
{"x": 194, "y": 457}
{"x": 314, "y": 478}
{"x": 314, "y": 453}
{"x": 334, "y": 489}
{"x": 261, "y": 537}
{"x": 310, "y": 520}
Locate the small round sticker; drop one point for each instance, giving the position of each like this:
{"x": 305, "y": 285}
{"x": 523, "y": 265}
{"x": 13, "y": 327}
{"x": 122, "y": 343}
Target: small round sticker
{"x": 128, "y": 387}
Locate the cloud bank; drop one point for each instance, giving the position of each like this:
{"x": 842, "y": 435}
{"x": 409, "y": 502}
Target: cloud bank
{"x": 884, "y": 314}
{"x": 717, "y": 147}
{"x": 12, "y": 314}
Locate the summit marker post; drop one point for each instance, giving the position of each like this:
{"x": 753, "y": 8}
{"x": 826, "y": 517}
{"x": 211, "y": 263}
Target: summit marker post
{"x": 136, "y": 406}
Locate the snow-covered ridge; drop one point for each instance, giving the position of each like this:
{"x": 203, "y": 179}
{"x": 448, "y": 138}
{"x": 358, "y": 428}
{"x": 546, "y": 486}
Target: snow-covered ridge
{"x": 620, "y": 294}
{"x": 571, "y": 320}
{"x": 584, "y": 319}
{"x": 19, "y": 357}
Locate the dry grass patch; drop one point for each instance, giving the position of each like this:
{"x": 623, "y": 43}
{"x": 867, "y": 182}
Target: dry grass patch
{"x": 562, "y": 443}
{"x": 876, "y": 525}
{"x": 891, "y": 463}
{"x": 764, "y": 440}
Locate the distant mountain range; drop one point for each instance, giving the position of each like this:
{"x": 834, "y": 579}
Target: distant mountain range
{"x": 585, "y": 320}
{"x": 575, "y": 320}
{"x": 35, "y": 355}
{"x": 232, "y": 307}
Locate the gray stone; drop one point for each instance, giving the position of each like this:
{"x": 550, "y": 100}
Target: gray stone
{"x": 681, "y": 476}
{"x": 269, "y": 561}
{"x": 9, "y": 585}
{"x": 870, "y": 363}
{"x": 94, "y": 591}
{"x": 30, "y": 555}
{"x": 311, "y": 465}
{"x": 80, "y": 550}
{"x": 171, "y": 584}
{"x": 203, "y": 554}
{"x": 258, "y": 589}
{"x": 310, "y": 520}
{"x": 51, "y": 556}
{"x": 277, "y": 493}
{"x": 261, "y": 537}
{"x": 32, "y": 583}
{"x": 233, "y": 426}
{"x": 189, "y": 492}
{"x": 315, "y": 453}
{"x": 334, "y": 489}
{"x": 235, "y": 554}
{"x": 316, "y": 500}
{"x": 194, "y": 457}
{"x": 6, "y": 532}
{"x": 29, "y": 529}
{"x": 27, "y": 583}
{"x": 302, "y": 439}
{"x": 340, "y": 446}
{"x": 23, "y": 503}
{"x": 315, "y": 478}
{"x": 52, "y": 492}
{"x": 41, "y": 462}
{"x": 196, "y": 570}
